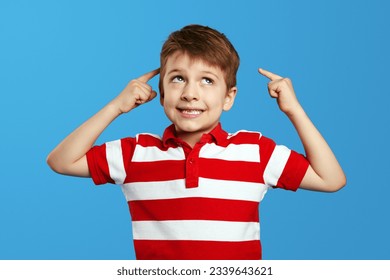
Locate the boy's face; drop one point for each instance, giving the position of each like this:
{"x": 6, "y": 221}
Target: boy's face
{"x": 195, "y": 94}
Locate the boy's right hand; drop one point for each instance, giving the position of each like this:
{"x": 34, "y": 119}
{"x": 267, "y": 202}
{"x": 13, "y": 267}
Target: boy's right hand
{"x": 69, "y": 157}
{"x": 136, "y": 92}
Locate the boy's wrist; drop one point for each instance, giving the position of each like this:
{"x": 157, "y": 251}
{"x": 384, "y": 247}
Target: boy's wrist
{"x": 114, "y": 109}
{"x": 295, "y": 112}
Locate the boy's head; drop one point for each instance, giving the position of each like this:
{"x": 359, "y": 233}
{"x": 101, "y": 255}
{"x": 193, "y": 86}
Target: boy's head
{"x": 206, "y": 44}
{"x": 197, "y": 80}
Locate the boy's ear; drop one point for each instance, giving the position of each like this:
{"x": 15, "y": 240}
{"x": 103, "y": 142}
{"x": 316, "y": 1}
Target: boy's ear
{"x": 229, "y": 98}
{"x": 162, "y": 98}
{"x": 161, "y": 89}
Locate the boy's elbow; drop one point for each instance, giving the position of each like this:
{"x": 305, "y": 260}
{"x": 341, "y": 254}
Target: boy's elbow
{"x": 50, "y": 162}
{"x": 59, "y": 165}
{"x": 54, "y": 164}
{"x": 338, "y": 185}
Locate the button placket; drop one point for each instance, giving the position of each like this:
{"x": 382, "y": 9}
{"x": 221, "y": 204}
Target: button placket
{"x": 192, "y": 168}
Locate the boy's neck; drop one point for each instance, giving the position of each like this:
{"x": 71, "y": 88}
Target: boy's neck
{"x": 192, "y": 138}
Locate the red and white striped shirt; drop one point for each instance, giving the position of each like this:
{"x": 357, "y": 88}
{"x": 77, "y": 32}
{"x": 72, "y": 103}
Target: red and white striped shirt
{"x": 200, "y": 202}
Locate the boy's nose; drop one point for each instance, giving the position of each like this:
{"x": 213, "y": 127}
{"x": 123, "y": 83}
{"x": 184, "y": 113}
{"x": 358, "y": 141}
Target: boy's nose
{"x": 190, "y": 93}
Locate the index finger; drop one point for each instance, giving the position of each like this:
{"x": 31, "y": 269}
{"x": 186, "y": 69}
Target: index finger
{"x": 269, "y": 75}
{"x": 146, "y": 77}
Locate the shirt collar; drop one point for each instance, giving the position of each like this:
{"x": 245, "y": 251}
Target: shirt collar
{"x": 217, "y": 135}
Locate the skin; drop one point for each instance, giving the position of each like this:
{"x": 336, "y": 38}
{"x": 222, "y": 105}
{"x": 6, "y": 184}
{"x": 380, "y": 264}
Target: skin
{"x": 195, "y": 95}
{"x": 324, "y": 172}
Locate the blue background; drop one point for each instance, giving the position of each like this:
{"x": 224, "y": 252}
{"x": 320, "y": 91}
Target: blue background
{"x": 61, "y": 61}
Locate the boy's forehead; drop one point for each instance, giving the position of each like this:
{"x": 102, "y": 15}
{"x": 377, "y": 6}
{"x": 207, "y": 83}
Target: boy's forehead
{"x": 179, "y": 60}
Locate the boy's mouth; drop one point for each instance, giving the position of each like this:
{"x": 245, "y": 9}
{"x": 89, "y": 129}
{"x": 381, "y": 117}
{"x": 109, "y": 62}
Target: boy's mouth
{"x": 191, "y": 111}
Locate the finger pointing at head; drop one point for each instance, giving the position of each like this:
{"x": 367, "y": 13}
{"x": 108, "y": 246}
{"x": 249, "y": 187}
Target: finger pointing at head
{"x": 269, "y": 75}
{"x": 148, "y": 76}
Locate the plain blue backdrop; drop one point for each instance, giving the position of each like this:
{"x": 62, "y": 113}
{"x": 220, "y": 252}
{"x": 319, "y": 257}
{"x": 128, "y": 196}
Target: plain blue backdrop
{"x": 61, "y": 61}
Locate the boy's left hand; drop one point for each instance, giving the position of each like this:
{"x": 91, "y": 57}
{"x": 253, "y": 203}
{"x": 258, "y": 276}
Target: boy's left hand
{"x": 282, "y": 89}
{"x": 324, "y": 172}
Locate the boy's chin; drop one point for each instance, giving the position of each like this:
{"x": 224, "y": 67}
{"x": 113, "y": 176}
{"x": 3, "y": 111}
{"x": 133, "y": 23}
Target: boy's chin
{"x": 192, "y": 129}
{"x": 187, "y": 130}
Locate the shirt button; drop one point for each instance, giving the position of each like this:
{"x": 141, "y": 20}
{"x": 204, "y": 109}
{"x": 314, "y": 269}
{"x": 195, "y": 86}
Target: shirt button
{"x": 191, "y": 160}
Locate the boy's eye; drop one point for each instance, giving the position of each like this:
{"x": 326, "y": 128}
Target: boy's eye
{"x": 207, "y": 81}
{"x": 178, "y": 79}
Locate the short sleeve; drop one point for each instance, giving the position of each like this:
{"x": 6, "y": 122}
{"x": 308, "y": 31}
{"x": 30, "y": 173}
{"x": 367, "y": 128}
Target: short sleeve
{"x": 108, "y": 163}
{"x": 283, "y": 168}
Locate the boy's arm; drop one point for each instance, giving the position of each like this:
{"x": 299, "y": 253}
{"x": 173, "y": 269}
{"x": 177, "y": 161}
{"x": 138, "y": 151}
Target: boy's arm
{"x": 69, "y": 157}
{"x": 324, "y": 172}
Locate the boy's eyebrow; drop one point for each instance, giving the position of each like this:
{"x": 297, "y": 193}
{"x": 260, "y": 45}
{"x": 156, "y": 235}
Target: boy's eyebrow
{"x": 203, "y": 72}
{"x": 210, "y": 73}
{"x": 174, "y": 70}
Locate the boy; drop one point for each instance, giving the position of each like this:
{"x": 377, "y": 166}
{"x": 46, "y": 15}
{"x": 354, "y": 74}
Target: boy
{"x": 195, "y": 192}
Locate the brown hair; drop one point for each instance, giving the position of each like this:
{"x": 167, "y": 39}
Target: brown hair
{"x": 205, "y": 43}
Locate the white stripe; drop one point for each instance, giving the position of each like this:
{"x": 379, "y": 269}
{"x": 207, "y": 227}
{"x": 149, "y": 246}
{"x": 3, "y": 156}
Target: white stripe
{"x": 276, "y": 164}
{"x": 196, "y": 230}
{"x": 231, "y": 135}
{"x": 241, "y": 152}
{"x": 147, "y": 134}
{"x": 150, "y": 154}
{"x": 115, "y": 161}
{"x": 207, "y": 188}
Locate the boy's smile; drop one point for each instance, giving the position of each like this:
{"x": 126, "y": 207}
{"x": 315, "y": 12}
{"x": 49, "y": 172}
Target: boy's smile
{"x": 194, "y": 96}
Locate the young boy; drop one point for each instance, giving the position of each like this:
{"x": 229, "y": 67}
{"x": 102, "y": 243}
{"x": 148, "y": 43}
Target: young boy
{"x": 195, "y": 192}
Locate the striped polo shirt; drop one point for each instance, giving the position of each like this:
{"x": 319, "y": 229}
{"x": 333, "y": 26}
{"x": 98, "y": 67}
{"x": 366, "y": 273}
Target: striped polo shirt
{"x": 200, "y": 202}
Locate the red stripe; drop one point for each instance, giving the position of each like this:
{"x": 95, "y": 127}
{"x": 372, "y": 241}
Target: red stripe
{"x": 194, "y": 209}
{"x": 293, "y": 172}
{"x": 163, "y": 170}
{"x": 244, "y": 137}
{"x": 208, "y": 168}
{"x": 267, "y": 146}
{"x": 230, "y": 170}
{"x": 197, "y": 250}
{"x": 146, "y": 140}
{"x": 98, "y": 165}
{"x": 128, "y": 146}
